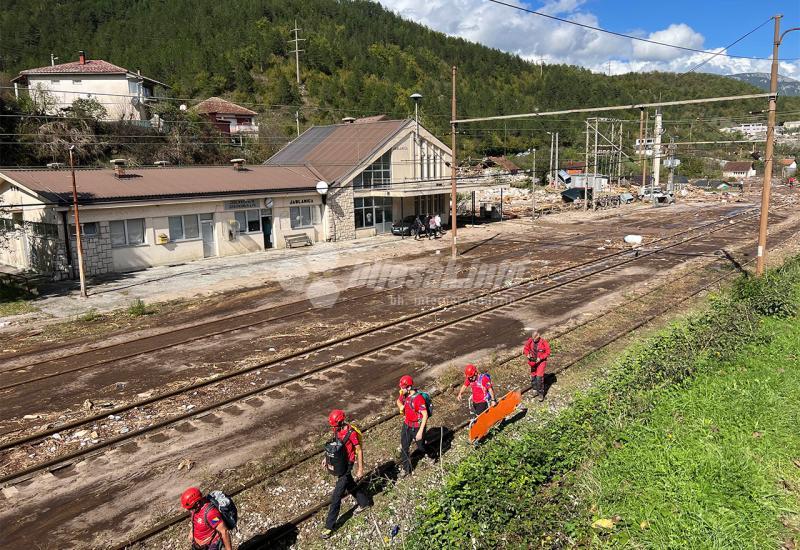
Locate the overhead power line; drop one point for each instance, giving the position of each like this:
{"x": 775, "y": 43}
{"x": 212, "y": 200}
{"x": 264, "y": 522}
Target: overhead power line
{"x": 623, "y": 35}
{"x": 727, "y": 47}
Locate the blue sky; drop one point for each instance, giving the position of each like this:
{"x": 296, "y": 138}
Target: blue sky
{"x": 707, "y": 25}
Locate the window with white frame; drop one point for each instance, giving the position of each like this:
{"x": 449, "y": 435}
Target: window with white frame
{"x": 377, "y": 174}
{"x": 90, "y": 229}
{"x": 303, "y": 217}
{"x": 127, "y": 232}
{"x": 184, "y": 228}
{"x": 249, "y": 220}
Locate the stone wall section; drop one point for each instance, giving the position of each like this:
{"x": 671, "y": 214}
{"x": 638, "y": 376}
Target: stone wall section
{"x": 341, "y": 213}
{"x": 97, "y": 256}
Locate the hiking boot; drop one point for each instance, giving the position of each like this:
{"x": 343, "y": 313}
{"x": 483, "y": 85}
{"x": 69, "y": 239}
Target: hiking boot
{"x": 326, "y": 534}
{"x": 541, "y": 397}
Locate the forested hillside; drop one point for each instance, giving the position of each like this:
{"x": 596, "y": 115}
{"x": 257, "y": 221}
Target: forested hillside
{"x": 359, "y": 59}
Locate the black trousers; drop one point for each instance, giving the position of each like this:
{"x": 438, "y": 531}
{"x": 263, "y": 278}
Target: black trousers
{"x": 344, "y": 484}
{"x": 408, "y": 435}
{"x": 478, "y": 408}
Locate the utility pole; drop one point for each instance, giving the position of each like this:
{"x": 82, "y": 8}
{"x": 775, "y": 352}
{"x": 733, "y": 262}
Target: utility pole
{"x": 761, "y": 259}
{"x": 586, "y": 170}
{"x": 644, "y": 163}
{"x": 533, "y": 187}
{"x": 641, "y": 138}
{"x": 594, "y": 169}
{"x": 78, "y": 243}
{"x": 296, "y": 51}
{"x": 657, "y": 154}
{"x": 670, "y": 181}
{"x": 53, "y": 59}
{"x": 297, "y": 121}
{"x": 550, "y": 168}
{"x": 555, "y": 166}
{"x": 453, "y": 195}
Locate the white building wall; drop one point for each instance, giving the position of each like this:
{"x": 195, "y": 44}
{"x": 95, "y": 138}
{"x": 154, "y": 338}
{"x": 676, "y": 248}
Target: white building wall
{"x": 64, "y": 89}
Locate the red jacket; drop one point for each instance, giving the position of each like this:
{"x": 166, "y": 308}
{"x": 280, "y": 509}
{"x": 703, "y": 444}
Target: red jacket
{"x": 540, "y": 351}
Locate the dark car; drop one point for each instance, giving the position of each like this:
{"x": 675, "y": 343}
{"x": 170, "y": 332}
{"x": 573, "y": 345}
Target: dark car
{"x": 575, "y": 194}
{"x": 403, "y": 227}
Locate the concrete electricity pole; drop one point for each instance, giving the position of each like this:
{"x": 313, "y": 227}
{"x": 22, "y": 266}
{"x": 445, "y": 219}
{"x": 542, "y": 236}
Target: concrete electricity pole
{"x": 594, "y": 168}
{"x": 586, "y": 170}
{"x": 761, "y": 259}
{"x": 550, "y": 168}
{"x": 657, "y": 155}
{"x": 533, "y": 186}
{"x": 453, "y": 195}
{"x": 78, "y": 243}
{"x": 296, "y": 51}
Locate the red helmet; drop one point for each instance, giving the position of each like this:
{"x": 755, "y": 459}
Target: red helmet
{"x": 190, "y": 497}
{"x": 406, "y": 382}
{"x": 470, "y": 370}
{"x": 336, "y": 417}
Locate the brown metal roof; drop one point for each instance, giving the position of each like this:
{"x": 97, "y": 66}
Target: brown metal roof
{"x": 737, "y": 166}
{"x": 335, "y": 151}
{"x": 139, "y": 184}
{"x": 217, "y": 105}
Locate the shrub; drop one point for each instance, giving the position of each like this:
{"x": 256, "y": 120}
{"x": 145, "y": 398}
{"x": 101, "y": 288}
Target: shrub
{"x": 138, "y": 308}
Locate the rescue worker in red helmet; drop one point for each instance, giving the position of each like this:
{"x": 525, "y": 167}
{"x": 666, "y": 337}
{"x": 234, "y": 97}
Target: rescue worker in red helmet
{"x": 208, "y": 530}
{"x": 537, "y": 350}
{"x": 482, "y": 390}
{"x": 414, "y": 409}
{"x": 350, "y": 437}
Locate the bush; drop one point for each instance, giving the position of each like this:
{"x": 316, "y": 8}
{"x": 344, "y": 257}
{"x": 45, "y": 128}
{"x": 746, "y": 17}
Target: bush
{"x": 138, "y": 308}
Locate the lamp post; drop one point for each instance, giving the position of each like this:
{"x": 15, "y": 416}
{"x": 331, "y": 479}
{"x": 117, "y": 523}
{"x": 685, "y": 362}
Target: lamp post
{"x": 416, "y": 97}
{"x": 761, "y": 258}
{"x": 322, "y": 189}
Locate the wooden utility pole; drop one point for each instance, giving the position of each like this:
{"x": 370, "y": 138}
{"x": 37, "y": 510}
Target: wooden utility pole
{"x": 586, "y": 170}
{"x": 78, "y": 243}
{"x": 761, "y": 258}
{"x": 453, "y": 194}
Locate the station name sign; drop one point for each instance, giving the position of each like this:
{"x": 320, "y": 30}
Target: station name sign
{"x": 241, "y": 204}
{"x": 301, "y": 201}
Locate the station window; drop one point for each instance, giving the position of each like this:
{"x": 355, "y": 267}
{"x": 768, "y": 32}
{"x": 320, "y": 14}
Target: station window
{"x": 90, "y": 229}
{"x": 303, "y": 217}
{"x": 371, "y": 210}
{"x": 249, "y": 220}
{"x": 127, "y": 232}
{"x": 377, "y": 174}
{"x": 183, "y": 228}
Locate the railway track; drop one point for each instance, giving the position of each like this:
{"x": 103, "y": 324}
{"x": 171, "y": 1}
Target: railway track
{"x": 381, "y": 339}
{"x": 219, "y": 326}
{"x": 205, "y": 329}
{"x": 276, "y": 535}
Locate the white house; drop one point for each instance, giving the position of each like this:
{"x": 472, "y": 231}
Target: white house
{"x": 123, "y": 93}
{"x": 738, "y": 169}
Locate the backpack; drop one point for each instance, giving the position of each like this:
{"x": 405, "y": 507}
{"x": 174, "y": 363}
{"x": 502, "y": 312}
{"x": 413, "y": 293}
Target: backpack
{"x": 484, "y": 376}
{"x": 226, "y": 508}
{"x": 428, "y": 402}
{"x": 336, "y": 455}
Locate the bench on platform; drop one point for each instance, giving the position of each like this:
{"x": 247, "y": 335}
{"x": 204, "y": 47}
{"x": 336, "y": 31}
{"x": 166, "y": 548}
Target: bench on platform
{"x": 300, "y": 239}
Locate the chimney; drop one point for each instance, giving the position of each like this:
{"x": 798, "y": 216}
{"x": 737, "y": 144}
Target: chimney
{"x": 348, "y": 120}
{"x": 82, "y": 57}
{"x": 238, "y": 164}
{"x": 119, "y": 167}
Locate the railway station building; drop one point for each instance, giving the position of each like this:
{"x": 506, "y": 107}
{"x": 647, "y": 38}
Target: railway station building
{"x": 376, "y": 171}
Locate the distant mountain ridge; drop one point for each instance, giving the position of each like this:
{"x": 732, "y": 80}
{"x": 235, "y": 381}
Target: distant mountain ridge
{"x": 786, "y": 86}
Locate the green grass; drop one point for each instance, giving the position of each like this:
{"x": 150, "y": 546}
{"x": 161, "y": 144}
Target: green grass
{"x": 713, "y": 465}
{"x": 138, "y": 308}
{"x": 14, "y": 301}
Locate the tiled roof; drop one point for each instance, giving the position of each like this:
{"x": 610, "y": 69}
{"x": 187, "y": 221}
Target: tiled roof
{"x": 217, "y": 105}
{"x": 92, "y": 66}
{"x": 138, "y": 184}
{"x": 737, "y": 166}
{"x": 335, "y": 151}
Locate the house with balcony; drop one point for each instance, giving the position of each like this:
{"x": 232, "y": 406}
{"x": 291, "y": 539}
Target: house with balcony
{"x": 231, "y": 119}
{"x": 123, "y": 93}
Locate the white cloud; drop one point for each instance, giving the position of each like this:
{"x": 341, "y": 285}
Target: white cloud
{"x": 537, "y": 38}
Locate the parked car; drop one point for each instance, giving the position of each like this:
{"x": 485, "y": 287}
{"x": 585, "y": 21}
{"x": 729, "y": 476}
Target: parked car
{"x": 403, "y": 227}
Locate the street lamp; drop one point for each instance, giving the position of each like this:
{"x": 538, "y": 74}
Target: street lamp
{"x": 322, "y": 189}
{"x": 761, "y": 258}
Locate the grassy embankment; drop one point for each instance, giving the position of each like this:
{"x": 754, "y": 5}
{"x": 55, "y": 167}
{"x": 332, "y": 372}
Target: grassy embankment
{"x": 691, "y": 441}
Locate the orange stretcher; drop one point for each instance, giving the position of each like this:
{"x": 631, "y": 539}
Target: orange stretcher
{"x": 494, "y": 415}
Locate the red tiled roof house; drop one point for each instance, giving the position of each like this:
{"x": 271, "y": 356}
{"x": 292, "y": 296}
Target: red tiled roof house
{"x": 228, "y": 117}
